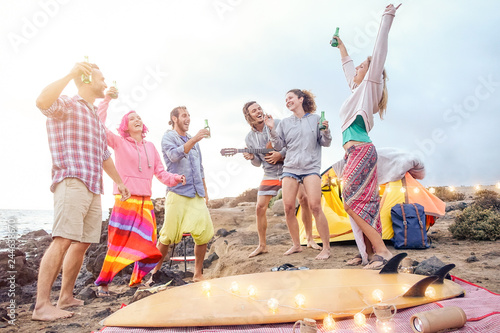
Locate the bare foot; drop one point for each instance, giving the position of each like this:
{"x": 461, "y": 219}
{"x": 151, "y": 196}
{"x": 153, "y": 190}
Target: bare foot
{"x": 323, "y": 255}
{"x": 293, "y": 249}
{"x": 198, "y": 278}
{"x": 257, "y": 251}
{"x": 312, "y": 244}
{"x": 50, "y": 313}
{"x": 67, "y": 303}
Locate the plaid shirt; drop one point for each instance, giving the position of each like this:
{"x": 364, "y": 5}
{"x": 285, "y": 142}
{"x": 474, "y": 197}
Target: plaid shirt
{"x": 77, "y": 141}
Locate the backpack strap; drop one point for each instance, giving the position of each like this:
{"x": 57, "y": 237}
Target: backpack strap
{"x": 421, "y": 224}
{"x": 404, "y": 222}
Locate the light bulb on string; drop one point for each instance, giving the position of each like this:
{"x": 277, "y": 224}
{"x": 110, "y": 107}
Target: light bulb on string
{"x": 329, "y": 322}
{"x": 206, "y": 288}
{"x": 252, "y": 291}
{"x": 300, "y": 300}
{"x": 430, "y": 292}
{"x": 273, "y": 305}
{"x": 405, "y": 288}
{"x": 432, "y": 190}
{"x": 402, "y": 190}
{"x": 477, "y": 187}
{"x": 451, "y": 188}
{"x": 235, "y": 288}
{"x": 498, "y": 185}
{"x": 378, "y": 295}
{"x": 359, "y": 319}
{"x": 416, "y": 190}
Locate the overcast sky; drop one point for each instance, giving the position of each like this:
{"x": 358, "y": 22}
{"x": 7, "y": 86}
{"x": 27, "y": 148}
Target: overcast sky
{"x": 213, "y": 56}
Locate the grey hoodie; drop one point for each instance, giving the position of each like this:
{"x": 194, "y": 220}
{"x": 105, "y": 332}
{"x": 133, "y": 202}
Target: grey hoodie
{"x": 258, "y": 140}
{"x": 303, "y": 140}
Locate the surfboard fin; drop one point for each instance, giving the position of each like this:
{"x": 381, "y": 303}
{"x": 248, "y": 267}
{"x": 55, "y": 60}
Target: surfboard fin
{"x": 441, "y": 273}
{"x": 393, "y": 264}
{"x": 418, "y": 289}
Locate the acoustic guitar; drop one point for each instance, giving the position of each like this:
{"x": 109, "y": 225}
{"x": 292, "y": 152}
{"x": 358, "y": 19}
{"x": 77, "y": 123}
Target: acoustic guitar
{"x": 233, "y": 151}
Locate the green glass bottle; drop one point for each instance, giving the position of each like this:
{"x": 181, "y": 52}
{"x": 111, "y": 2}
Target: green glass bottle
{"x": 321, "y": 126}
{"x": 85, "y": 78}
{"x": 114, "y": 95}
{"x": 335, "y": 43}
{"x": 207, "y": 128}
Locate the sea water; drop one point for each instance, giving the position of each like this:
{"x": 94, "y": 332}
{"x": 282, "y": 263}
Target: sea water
{"x": 25, "y": 220}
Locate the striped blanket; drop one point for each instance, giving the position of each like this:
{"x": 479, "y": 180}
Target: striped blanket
{"x": 131, "y": 238}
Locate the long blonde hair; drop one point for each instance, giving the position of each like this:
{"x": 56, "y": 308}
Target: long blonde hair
{"x": 382, "y": 104}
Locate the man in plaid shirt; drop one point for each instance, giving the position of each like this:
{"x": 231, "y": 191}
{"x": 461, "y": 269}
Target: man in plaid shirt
{"x": 77, "y": 141}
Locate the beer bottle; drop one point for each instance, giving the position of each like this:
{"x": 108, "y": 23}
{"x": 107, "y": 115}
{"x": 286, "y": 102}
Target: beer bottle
{"x": 85, "y": 78}
{"x": 335, "y": 43}
{"x": 321, "y": 126}
{"x": 207, "y": 128}
{"x": 114, "y": 95}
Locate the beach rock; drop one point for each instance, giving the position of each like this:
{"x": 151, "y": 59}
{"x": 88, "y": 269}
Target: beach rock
{"x": 162, "y": 277}
{"x": 216, "y": 203}
{"x": 94, "y": 258}
{"x": 35, "y": 234}
{"x": 429, "y": 266}
{"x": 458, "y": 205}
{"x": 87, "y": 295}
{"x": 472, "y": 259}
{"x": 247, "y": 196}
{"x": 224, "y": 233}
{"x": 278, "y": 208}
{"x": 207, "y": 262}
{"x": 492, "y": 254}
{"x": 104, "y": 313}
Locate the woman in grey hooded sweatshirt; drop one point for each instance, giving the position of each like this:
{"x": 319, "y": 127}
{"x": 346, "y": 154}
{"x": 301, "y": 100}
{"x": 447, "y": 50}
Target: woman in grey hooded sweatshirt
{"x": 301, "y": 136}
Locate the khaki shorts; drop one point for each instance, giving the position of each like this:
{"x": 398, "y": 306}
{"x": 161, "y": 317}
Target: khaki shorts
{"x": 77, "y": 212}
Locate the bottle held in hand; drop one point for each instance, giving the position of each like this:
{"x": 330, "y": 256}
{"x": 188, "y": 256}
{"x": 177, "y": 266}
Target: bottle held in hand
{"x": 321, "y": 120}
{"x": 114, "y": 95}
{"x": 335, "y": 42}
{"x": 86, "y": 78}
{"x": 207, "y": 128}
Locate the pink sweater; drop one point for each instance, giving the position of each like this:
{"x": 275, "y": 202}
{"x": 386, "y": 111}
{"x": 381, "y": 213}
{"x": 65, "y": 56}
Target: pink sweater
{"x": 136, "y": 162}
{"x": 365, "y": 97}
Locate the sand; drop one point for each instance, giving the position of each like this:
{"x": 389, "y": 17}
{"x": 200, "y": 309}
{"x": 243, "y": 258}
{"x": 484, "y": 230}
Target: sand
{"x": 233, "y": 259}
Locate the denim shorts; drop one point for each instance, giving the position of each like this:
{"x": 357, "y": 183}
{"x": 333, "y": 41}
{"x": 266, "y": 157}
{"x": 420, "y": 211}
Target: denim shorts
{"x": 298, "y": 178}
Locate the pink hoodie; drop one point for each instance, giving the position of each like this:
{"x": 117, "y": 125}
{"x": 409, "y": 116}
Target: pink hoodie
{"x": 136, "y": 162}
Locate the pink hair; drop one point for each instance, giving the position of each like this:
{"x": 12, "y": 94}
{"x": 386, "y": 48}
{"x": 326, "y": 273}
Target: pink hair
{"x": 123, "y": 128}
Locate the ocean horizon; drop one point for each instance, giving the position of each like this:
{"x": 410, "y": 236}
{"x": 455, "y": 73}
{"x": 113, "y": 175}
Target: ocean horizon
{"x": 17, "y": 222}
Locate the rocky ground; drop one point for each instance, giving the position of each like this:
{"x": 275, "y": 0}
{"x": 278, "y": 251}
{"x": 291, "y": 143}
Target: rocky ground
{"x": 236, "y": 237}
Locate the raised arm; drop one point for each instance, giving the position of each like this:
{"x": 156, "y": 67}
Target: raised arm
{"x": 52, "y": 92}
{"x": 102, "y": 112}
{"x": 347, "y": 63}
{"x": 381, "y": 45}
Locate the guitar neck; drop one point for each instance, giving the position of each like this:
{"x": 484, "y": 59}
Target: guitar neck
{"x": 254, "y": 151}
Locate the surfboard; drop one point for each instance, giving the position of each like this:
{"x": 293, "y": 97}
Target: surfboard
{"x": 284, "y": 296}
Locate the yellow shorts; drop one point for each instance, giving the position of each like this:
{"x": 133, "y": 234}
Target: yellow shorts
{"x": 77, "y": 212}
{"x": 186, "y": 215}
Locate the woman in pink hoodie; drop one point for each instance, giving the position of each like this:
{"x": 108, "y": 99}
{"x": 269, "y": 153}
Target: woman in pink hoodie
{"x": 132, "y": 224}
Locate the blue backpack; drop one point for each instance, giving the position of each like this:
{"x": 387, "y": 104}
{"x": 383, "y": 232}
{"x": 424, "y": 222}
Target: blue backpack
{"x": 408, "y": 223}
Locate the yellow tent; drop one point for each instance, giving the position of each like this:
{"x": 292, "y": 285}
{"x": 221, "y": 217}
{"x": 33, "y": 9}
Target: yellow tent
{"x": 405, "y": 190}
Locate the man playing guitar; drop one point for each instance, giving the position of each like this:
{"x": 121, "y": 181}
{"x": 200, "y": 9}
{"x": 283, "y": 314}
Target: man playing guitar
{"x": 272, "y": 163}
